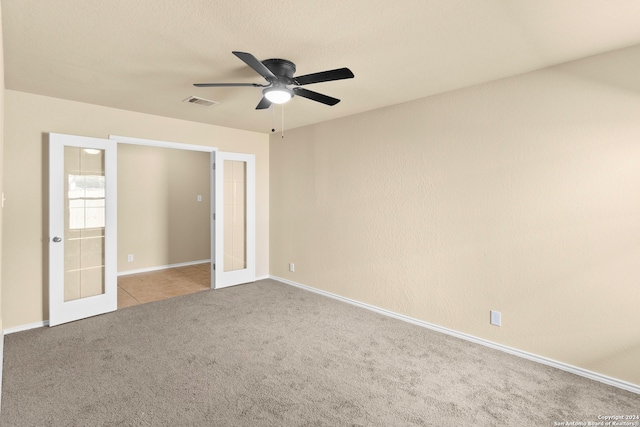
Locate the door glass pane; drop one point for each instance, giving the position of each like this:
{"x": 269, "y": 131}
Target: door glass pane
{"x": 235, "y": 218}
{"x": 84, "y": 223}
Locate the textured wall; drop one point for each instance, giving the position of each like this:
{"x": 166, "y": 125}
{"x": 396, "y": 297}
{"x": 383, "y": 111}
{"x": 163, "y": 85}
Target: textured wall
{"x": 28, "y": 118}
{"x": 520, "y": 196}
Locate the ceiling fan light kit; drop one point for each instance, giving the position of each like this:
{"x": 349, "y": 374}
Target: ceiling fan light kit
{"x": 279, "y": 76}
{"x": 277, "y": 94}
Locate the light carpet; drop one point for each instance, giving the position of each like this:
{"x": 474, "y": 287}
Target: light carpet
{"x": 268, "y": 354}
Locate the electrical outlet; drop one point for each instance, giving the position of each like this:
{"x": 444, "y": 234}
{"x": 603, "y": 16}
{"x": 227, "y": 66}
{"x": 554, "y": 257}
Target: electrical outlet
{"x": 292, "y": 267}
{"x": 130, "y": 258}
{"x": 496, "y": 318}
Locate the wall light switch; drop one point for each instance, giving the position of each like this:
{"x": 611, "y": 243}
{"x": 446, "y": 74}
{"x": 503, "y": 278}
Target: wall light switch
{"x": 496, "y": 318}
{"x": 199, "y": 198}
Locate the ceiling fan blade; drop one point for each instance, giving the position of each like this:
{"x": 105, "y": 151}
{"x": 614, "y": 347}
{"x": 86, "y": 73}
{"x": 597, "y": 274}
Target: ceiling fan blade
{"x": 324, "y": 76}
{"x": 263, "y": 104}
{"x": 315, "y": 96}
{"x": 258, "y": 66}
{"x": 227, "y": 84}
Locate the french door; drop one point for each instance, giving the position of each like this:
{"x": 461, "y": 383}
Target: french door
{"x": 235, "y": 219}
{"x": 82, "y": 227}
{"x": 83, "y": 224}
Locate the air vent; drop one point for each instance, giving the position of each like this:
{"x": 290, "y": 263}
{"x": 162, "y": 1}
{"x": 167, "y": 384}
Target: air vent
{"x": 199, "y": 101}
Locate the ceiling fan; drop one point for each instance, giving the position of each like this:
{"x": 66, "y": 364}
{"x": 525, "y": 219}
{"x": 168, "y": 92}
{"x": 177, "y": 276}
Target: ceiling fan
{"x": 279, "y": 75}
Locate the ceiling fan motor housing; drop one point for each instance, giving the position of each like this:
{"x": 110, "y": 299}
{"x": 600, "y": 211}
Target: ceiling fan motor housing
{"x": 283, "y": 69}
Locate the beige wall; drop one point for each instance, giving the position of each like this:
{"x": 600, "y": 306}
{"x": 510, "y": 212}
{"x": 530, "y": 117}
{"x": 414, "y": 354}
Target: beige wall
{"x": 521, "y": 195}
{"x": 27, "y": 119}
{"x": 160, "y": 221}
{"x": 1, "y": 168}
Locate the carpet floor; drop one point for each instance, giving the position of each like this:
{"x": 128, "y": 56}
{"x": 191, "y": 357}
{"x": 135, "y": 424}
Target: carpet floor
{"x": 268, "y": 354}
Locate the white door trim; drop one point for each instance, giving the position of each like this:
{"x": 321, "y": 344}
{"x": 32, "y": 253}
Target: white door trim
{"x": 161, "y": 144}
{"x": 189, "y": 147}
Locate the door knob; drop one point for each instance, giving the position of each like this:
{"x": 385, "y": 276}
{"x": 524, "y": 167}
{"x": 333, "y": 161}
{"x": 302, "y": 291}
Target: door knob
{"x": 57, "y": 239}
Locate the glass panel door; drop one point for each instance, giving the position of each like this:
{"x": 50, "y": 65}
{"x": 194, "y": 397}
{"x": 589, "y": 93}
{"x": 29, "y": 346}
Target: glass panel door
{"x": 82, "y": 226}
{"x": 235, "y": 219}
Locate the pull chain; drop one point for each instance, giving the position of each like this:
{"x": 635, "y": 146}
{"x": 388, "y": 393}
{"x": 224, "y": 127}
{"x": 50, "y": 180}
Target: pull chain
{"x": 273, "y": 118}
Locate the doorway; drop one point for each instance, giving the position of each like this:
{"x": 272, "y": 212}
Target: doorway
{"x": 164, "y": 223}
{"x": 231, "y": 270}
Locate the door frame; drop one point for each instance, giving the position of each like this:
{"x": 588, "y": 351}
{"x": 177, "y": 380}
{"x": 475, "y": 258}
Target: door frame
{"x": 188, "y": 147}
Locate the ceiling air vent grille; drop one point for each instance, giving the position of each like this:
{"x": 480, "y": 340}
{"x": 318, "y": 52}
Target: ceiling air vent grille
{"x": 199, "y": 101}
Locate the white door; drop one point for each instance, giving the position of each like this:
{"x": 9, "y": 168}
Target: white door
{"x": 235, "y": 219}
{"x": 82, "y": 227}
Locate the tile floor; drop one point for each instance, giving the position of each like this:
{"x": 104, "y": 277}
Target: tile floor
{"x": 140, "y": 288}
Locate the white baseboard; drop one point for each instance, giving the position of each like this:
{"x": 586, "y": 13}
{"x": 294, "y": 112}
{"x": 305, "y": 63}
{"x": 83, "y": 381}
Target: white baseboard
{"x": 526, "y": 355}
{"x": 1, "y": 367}
{"x": 25, "y": 327}
{"x": 163, "y": 267}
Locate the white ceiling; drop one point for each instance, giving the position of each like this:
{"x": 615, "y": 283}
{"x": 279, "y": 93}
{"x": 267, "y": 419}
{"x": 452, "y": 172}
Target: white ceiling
{"x": 144, "y": 55}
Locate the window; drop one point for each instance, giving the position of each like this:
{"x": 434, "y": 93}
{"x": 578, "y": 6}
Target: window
{"x": 86, "y": 201}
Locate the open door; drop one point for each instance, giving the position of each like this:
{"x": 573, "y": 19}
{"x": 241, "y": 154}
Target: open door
{"x": 82, "y": 226}
{"x": 235, "y": 219}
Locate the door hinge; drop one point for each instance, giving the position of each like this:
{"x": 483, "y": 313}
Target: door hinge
{"x": 214, "y": 216}
{"x": 213, "y": 166}
{"x": 213, "y": 266}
